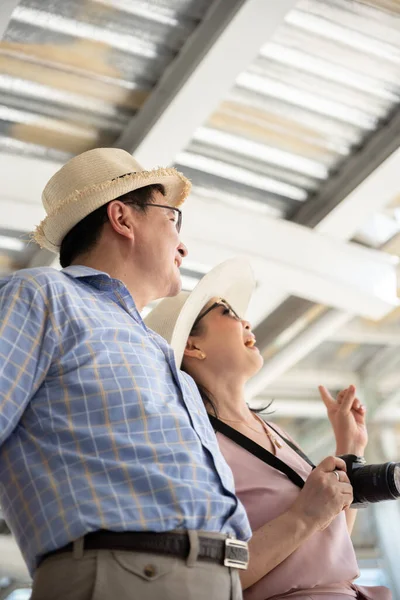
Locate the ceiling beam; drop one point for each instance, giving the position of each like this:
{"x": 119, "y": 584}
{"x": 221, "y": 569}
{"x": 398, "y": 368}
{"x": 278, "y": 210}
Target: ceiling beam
{"x": 342, "y": 223}
{"x": 295, "y": 350}
{"x": 365, "y": 184}
{"x": 354, "y": 172}
{"x": 305, "y": 263}
{"x": 281, "y": 319}
{"x": 222, "y": 46}
{"x": 371, "y": 196}
{"x": 6, "y": 9}
{"x": 267, "y": 299}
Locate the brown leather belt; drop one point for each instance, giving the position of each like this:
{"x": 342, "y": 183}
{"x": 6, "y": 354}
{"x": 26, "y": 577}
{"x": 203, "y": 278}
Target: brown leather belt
{"x": 228, "y": 552}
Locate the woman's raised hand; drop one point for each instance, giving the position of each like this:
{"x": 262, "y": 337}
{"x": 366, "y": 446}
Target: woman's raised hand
{"x": 347, "y": 417}
{"x": 324, "y": 495}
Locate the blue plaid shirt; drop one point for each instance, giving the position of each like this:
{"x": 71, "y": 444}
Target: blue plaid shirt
{"x": 98, "y": 428}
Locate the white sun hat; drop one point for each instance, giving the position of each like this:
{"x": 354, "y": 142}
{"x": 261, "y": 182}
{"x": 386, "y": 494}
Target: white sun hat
{"x": 93, "y": 179}
{"x": 173, "y": 318}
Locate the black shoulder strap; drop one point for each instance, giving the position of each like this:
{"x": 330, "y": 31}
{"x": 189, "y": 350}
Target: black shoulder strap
{"x": 257, "y": 450}
{"x": 293, "y": 446}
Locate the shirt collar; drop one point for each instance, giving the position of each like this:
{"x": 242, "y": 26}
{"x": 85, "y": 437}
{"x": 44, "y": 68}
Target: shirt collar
{"x": 105, "y": 283}
{"x": 79, "y": 271}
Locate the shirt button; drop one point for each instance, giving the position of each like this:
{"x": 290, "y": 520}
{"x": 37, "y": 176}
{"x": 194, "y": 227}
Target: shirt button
{"x": 150, "y": 571}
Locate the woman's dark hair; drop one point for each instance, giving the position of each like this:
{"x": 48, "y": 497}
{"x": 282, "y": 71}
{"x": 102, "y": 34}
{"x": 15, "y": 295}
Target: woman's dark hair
{"x": 211, "y": 406}
{"x": 209, "y": 401}
{"x": 84, "y": 236}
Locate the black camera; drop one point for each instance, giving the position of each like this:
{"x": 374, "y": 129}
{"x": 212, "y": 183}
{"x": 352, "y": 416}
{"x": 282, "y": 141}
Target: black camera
{"x": 372, "y": 483}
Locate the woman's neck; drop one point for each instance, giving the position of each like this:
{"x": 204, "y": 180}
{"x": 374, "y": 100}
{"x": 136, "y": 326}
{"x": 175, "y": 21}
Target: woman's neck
{"x": 229, "y": 399}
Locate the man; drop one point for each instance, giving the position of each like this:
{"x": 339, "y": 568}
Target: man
{"x": 110, "y": 475}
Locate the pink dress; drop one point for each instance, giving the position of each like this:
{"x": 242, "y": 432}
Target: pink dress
{"x": 324, "y": 566}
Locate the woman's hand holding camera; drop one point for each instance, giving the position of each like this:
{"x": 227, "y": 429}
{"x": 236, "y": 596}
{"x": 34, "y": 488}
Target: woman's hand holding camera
{"x": 326, "y": 493}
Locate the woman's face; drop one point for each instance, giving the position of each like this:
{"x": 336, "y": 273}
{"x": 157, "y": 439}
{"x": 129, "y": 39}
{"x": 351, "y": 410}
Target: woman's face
{"x": 226, "y": 341}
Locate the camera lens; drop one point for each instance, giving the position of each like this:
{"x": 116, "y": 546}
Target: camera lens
{"x": 374, "y": 483}
{"x": 394, "y": 479}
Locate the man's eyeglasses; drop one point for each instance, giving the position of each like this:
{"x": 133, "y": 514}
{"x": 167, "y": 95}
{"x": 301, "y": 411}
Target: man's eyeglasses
{"x": 176, "y": 212}
{"x": 219, "y": 302}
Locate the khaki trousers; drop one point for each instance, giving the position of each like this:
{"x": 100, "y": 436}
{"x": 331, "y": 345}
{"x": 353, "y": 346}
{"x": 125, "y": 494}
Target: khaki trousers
{"x": 123, "y": 575}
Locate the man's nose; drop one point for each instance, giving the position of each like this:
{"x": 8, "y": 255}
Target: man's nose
{"x": 183, "y": 251}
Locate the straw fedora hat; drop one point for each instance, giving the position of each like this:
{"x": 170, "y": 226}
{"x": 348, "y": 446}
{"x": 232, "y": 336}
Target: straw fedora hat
{"x": 92, "y": 179}
{"x": 173, "y": 318}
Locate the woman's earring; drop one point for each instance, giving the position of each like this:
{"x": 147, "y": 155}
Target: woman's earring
{"x": 202, "y": 355}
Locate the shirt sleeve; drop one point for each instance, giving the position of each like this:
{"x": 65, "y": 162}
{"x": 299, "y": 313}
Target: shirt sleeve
{"x": 26, "y": 348}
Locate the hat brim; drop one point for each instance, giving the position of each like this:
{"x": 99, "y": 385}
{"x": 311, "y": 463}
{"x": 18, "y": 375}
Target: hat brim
{"x": 232, "y": 280}
{"x": 52, "y": 230}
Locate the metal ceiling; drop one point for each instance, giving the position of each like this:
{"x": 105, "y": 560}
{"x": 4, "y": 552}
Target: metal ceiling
{"x": 329, "y": 77}
{"x": 74, "y": 73}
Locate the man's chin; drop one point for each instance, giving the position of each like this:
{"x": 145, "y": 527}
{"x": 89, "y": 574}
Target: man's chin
{"x": 175, "y": 287}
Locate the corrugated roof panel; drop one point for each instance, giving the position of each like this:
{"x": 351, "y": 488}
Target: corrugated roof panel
{"x": 327, "y": 79}
{"x": 73, "y": 73}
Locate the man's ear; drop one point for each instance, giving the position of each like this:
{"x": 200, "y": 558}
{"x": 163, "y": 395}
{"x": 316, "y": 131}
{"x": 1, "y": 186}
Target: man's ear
{"x": 193, "y": 351}
{"x": 121, "y": 218}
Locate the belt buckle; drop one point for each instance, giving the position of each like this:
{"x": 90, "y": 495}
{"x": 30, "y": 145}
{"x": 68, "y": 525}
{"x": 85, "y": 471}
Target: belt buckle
{"x": 233, "y": 548}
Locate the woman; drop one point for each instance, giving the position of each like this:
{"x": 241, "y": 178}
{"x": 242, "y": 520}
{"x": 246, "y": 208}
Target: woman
{"x": 301, "y": 546}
